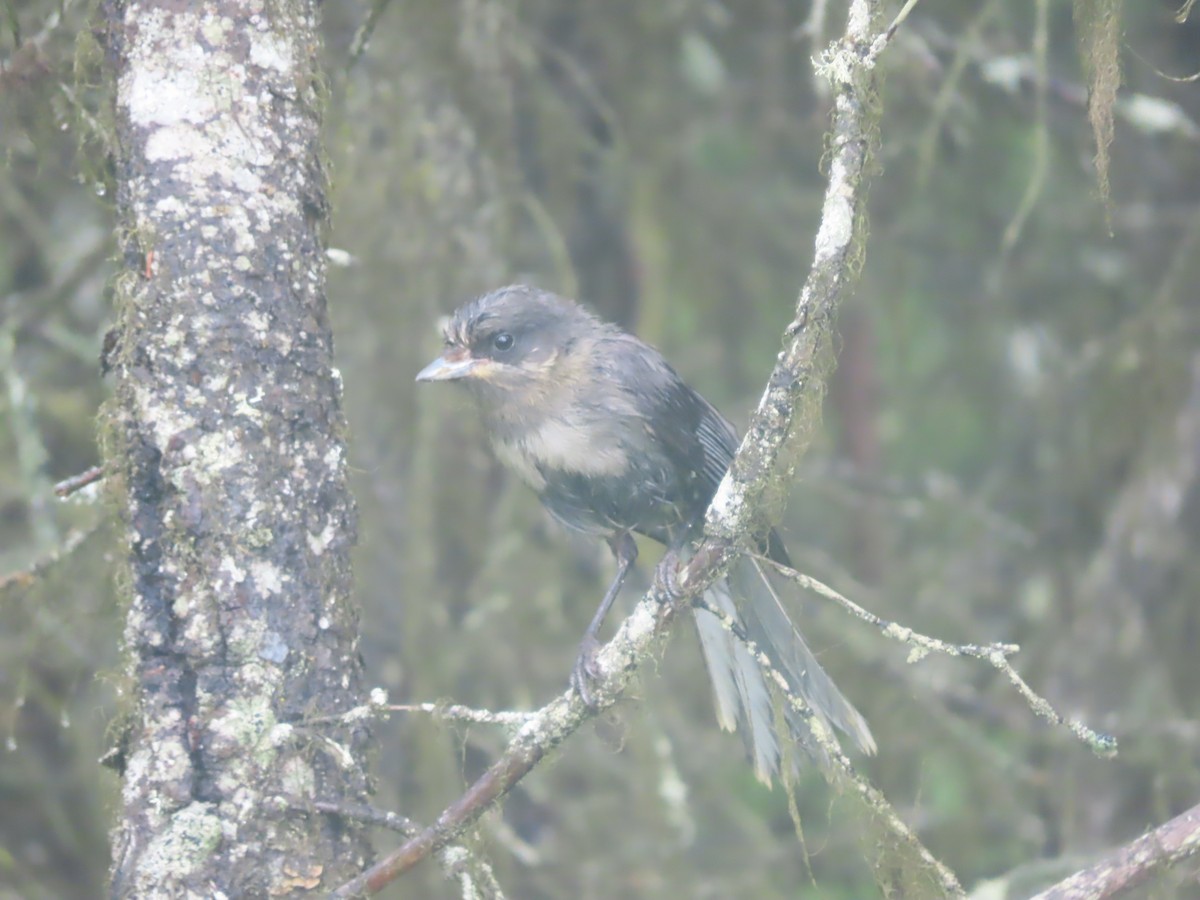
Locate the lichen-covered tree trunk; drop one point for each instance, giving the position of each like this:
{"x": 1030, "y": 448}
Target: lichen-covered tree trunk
{"x": 226, "y": 439}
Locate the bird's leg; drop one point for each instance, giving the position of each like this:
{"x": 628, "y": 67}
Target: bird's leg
{"x": 625, "y": 549}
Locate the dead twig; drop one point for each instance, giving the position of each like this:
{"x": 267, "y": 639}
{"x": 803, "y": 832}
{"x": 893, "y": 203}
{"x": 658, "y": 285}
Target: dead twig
{"x": 792, "y": 393}
{"x": 996, "y": 655}
{"x": 69, "y": 486}
{"x": 24, "y": 578}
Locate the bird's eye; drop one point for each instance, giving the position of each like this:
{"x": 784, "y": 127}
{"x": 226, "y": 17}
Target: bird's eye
{"x": 503, "y": 341}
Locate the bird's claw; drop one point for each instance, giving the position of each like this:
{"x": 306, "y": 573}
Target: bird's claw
{"x": 586, "y": 672}
{"x": 667, "y": 574}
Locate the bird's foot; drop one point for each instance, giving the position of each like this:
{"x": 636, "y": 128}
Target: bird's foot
{"x": 666, "y": 573}
{"x": 586, "y": 672}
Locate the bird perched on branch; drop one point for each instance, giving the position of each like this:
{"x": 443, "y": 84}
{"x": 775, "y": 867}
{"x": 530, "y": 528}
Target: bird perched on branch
{"x": 615, "y": 443}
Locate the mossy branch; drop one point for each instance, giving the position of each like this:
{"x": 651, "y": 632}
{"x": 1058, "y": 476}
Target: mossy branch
{"x": 785, "y": 415}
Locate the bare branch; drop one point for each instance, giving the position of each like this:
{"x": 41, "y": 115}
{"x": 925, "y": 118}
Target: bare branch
{"x": 617, "y": 662}
{"x": 69, "y": 486}
{"x": 361, "y": 812}
{"x": 1130, "y": 865}
{"x": 737, "y": 510}
{"x": 458, "y": 712}
{"x": 26, "y": 577}
{"x": 795, "y": 386}
{"x": 377, "y": 706}
{"x": 996, "y": 655}
{"x": 362, "y": 37}
{"x": 837, "y": 764}
{"x": 474, "y": 875}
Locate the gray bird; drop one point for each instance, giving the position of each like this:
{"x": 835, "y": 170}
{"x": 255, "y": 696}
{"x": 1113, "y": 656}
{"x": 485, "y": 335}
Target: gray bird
{"x": 615, "y": 443}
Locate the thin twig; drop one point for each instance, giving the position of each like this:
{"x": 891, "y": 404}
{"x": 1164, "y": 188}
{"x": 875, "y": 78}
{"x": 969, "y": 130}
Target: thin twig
{"x": 1041, "y": 139}
{"x": 965, "y": 52}
{"x": 458, "y": 712}
{"x": 378, "y": 706}
{"x": 996, "y": 655}
{"x": 26, "y": 577}
{"x": 835, "y": 761}
{"x": 474, "y": 874}
{"x": 362, "y": 37}
{"x": 360, "y": 812}
{"x": 546, "y": 729}
{"x": 68, "y": 486}
{"x": 884, "y": 39}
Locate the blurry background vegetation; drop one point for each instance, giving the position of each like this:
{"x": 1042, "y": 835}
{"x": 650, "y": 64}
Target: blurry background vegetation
{"x": 1010, "y": 449}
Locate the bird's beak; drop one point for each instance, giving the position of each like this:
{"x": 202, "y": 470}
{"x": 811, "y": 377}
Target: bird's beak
{"x": 450, "y": 366}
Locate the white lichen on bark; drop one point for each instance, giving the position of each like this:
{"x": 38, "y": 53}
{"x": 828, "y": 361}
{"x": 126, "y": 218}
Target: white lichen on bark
{"x": 739, "y": 498}
{"x": 228, "y": 426}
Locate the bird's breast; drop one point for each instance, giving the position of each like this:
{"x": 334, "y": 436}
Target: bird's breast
{"x": 559, "y": 445}
{"x": 511, "y": 454}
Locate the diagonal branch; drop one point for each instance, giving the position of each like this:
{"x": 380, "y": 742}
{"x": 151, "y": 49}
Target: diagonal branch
{"x": 786, "y": 409}
{"x": 1130, "y": 865}
{"x": 838, "y": 765}
{"x": 24, "y": 578}
{"x": 618, "y": 661}
{"x": 793, "y": 393}
{"x": 1103, "y": 745}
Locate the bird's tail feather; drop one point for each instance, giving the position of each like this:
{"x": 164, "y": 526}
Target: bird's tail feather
{"x": 742, "y": 698}
{"x": 743, "y": 701}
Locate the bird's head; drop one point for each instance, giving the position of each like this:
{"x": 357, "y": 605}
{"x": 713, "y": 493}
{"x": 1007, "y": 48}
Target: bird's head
{"x": 512, "y": 341}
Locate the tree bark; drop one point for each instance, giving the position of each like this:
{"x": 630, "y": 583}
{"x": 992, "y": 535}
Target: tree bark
{"x": 1131, "y": 865}
{"x": 227, "y": 439}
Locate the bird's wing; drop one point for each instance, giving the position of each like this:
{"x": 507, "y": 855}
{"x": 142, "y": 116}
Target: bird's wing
{"x": 696, "y": 440}
{"x": 717, "y": 443}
